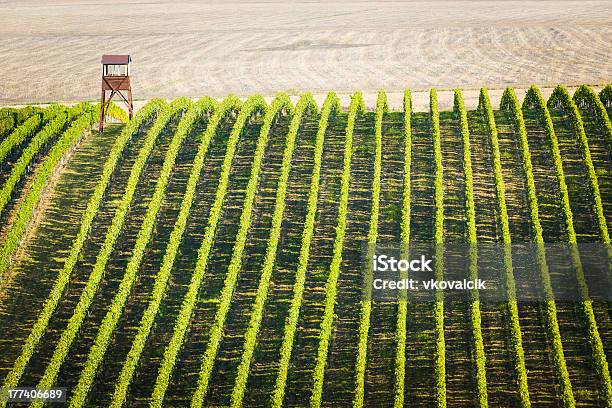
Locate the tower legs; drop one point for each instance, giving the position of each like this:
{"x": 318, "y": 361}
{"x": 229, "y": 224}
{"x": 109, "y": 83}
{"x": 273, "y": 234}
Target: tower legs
{"x": 130, "y": 103}
{"x": 104, "y": 103}
{"x": 102, "y": 109}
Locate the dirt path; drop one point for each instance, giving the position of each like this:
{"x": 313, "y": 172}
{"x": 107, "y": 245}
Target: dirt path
{"x": 420, "y": 98}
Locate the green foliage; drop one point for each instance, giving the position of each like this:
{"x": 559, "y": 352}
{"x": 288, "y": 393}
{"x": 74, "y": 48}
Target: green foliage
{"x": 91, "y": 287}
{"x": 534, "y": 100}
{"x": 280, "y": 102}
{"x": 305, "y": 103}
{"x": 331, "y": 289}
{"x": 510, "y": 102}
{"x": 45, "y": 126}
{"x": 87, "y": 218}
{"x": 402, "y": 311}
{"x": 109, "y": 323}
{"x": 24, "y": 214}
{"x": 585, "y": 98}
{"x": 8, "y": 112}
{"x": 20, "y": 115}
{"x": 366, "y": 303}
{"x": 470, "y": 213}
{"x": 146, "y": 323}
{"x": 28, "y": 129}
{"x": 52, "y": 129}
{"x": 606, "y": 96}
{"x": 331, "y": 105}
{"x": 216, "y": 333}
{"x": 230, "y": 104}
{"x": 440, "y": 348}
{"x": 27, "y": 206}
{"x": 115, "y": 112}
{"x": 20, "y": 134}
{"x": 24, "y": 114}
{"x": 484, "y": 105}
{"x": 251, "y": 106}
{"x": 241, "y": 238}
{"x": 561, "y": 98}
{"x": 7, "y": 123}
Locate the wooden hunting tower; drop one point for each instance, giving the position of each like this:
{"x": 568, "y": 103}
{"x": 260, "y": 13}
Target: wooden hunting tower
{"x": 115, "y": 78}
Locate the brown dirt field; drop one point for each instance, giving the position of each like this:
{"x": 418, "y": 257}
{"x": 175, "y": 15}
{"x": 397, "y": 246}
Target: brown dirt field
{"x": 51, "y": 48}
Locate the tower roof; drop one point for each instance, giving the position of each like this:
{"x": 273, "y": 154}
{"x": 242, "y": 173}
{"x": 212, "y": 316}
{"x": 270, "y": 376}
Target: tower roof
{"x": 116, "y": 59}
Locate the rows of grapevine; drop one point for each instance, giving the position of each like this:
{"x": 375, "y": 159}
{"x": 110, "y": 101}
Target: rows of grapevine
{"x": 216, "y": 132}
{"x": 402, "y": 311}
{"x": 440, "y": 348}
{"x": 52, "y": 129}
{"x": 298, "y": 341}
{"x": 471, "y": 238}
{"x": 65, "y": 342}
{"x": 498, "y": 229}
{"x": 334, "y": 270}
{"x": 240, "y": 242}
{"x": 510, "y": 102}
{"x": 554, "y": 198}
{"x": 186, "y": 126}
{"x": 225, "y": 267}
{"x": 109, "y": 322}
{"x": 277, "y": 171}
{"x": 366, "y": 304}
{"x": 26, "y": 130}
{"x": 27, "y": 205}
{"x": 330, "y": 105}
{"x": 187, "y": 307}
